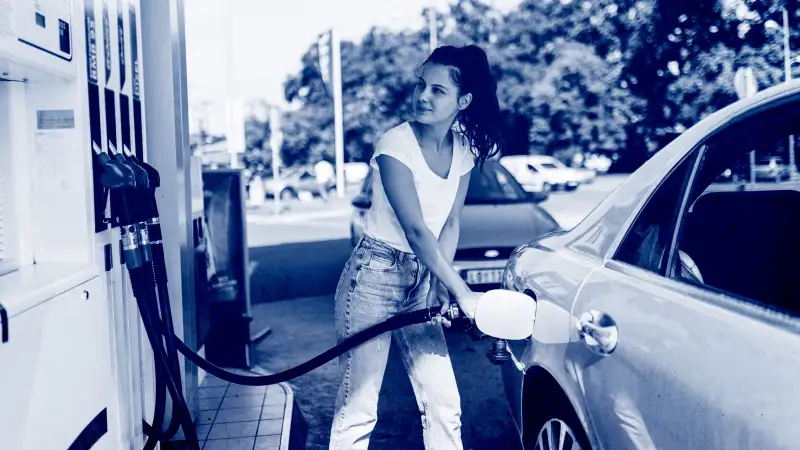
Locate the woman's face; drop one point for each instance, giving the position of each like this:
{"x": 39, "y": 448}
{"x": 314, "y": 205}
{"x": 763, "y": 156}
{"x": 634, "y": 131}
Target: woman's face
{"x": 436, "y": 98}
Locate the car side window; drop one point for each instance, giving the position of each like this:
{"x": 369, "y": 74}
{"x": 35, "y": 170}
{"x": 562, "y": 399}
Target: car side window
{"x": 739, "y": 233}
{"x": 647, "y": 242}
{"x": 532, "y": 169}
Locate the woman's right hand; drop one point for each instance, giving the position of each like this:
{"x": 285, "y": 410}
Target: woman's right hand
{"x": 468, "y": 302}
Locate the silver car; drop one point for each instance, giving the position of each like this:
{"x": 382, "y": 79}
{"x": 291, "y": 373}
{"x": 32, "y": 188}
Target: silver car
{"x": 498, "y": 216}
{"x": 669, "y": 318}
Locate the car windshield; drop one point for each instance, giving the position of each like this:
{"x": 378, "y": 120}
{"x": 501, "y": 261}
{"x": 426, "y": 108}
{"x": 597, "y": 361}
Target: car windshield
{"x": 493, "y": 185}
{"x": 548, "y": 165}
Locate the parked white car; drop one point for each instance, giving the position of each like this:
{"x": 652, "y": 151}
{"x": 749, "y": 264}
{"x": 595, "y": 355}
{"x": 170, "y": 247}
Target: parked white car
{"x": 598, "y": 163}
{"x": 553, "y": 173}
{"x": 531, "y": 180}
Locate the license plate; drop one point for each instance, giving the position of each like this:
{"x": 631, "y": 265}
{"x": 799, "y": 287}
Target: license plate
{"x": 485, "y": 276}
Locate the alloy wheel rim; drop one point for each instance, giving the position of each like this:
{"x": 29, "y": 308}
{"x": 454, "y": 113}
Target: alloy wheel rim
{"x": 555, "y": 434}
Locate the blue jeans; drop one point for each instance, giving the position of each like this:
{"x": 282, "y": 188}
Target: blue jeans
{"x": 379, "y": 282}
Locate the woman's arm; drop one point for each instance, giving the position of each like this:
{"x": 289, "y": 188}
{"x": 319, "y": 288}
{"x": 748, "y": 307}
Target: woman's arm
{"x": 448, "y": 243}
{"x": 448, "y": 238}
{"x": 398, "y": 183}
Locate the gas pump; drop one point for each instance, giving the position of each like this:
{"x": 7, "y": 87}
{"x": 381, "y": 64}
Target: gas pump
{"x": 59, "y": 366}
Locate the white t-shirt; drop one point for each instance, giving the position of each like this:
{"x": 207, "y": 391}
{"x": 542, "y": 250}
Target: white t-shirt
{"x": 436, "y": 194}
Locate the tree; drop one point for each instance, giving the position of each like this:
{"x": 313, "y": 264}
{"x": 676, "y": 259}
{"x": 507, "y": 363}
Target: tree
{"x": 378, "y": 78}
{"x": 684, "y": 64}
{"x": 577, "y": 104}
{"x": 559, "y": 65}
{"x": 621, "y": 76}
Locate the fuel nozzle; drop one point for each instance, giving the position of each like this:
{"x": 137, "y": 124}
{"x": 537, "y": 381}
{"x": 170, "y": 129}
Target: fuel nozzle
{"x": 144, "y": 190}
{"x": 121, "y": 179}
{"x": 499, "y": 353}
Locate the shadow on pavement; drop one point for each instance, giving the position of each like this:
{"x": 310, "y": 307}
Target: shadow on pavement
{"x": 297, "y": 270}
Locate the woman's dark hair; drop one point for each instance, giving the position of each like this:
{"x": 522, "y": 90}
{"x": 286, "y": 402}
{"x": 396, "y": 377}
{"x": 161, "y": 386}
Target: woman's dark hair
{"x": 480, "y": 121}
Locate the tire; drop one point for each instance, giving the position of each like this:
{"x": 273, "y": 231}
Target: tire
{"x": 552, "y": 421}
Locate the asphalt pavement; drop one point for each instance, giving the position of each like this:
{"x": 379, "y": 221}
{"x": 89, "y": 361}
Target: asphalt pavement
{"x": 298, "y": 258}
{"x": 303, "y": 328}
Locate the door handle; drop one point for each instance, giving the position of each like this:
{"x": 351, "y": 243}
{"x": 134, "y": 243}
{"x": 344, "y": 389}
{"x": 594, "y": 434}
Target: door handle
{"x": 598, "y": 331}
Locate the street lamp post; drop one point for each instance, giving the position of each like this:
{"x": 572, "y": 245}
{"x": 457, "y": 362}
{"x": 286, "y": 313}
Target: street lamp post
{"x": 787, "y": 52}
{"x": 787, "y": 69}
{"x": 433, "y": 29}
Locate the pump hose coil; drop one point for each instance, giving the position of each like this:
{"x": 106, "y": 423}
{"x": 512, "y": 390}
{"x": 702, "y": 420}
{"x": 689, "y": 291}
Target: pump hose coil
{"x": 149, "y": 283}
{"x": 394, "y": 323}
{"x": 161, "y": 334}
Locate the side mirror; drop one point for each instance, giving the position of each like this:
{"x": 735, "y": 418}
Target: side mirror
{"x": 505, "y": 314}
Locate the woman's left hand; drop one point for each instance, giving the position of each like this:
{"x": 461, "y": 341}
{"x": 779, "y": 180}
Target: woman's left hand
{"x": 439, "y": 295}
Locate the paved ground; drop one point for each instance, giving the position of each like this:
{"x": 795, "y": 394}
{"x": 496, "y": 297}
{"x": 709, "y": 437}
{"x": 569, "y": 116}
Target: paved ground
{"x": 299, "y": 257}
{"x": 303, "y": 328}
{"x": 234, "y": 417}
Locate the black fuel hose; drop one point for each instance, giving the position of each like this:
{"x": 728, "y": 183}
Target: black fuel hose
{"x": 394, "y": 323}
{"x": 160, "y": 333}
{"x": 160, "y": 280}
{"x": 145, "y": 294}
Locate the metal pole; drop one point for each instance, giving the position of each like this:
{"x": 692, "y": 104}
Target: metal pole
{"x": 787, "y": 67}
{"x": 275, "y": 144}
{"x": 787, "y": 56}
{"x": 231, "y": 106}
{"x": 433, "y": 29}
{"x": 337, "y": 112}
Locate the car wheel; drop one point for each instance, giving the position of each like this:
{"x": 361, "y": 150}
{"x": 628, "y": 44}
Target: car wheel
{"x": 556, "y": 433}
{"x": 554, "y": 426}
{"x": 288, "y": 194}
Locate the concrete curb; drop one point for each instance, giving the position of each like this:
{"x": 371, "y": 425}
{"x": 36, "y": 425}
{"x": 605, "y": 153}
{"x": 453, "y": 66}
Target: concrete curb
{"x": 287, "y": 416}
{"x": 293, "y": 435}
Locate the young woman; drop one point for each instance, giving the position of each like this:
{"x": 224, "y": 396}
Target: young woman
{"x": 404, "y": 261}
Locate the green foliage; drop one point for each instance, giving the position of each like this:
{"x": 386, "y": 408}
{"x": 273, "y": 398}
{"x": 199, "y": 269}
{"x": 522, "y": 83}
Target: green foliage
{"x": 577, "y": 104}
{"x": 618, "y": 76}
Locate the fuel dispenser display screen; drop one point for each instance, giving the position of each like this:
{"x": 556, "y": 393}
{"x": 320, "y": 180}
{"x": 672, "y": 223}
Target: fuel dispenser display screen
{"x": 44, "y": 25}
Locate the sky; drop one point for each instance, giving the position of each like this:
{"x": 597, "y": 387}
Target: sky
{"x": 267, "y": 39}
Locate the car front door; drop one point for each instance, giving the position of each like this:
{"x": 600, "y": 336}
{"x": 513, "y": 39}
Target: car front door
{"x": 667, "y": 360}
